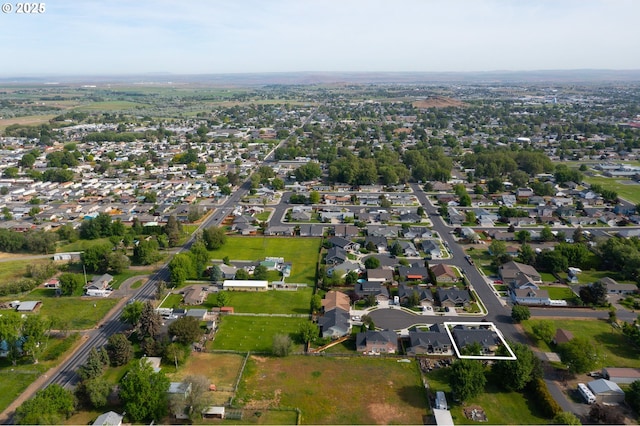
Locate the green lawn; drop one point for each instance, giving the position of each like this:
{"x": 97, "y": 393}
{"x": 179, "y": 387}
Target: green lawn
{"x": 336, "y": 390}
{"x": 630, "y": 192}
{"x": 482, "y": 260}
{"x": 301, "y": 252}
{"x": 501, "y": 407}
{"x": 15, "y": 380}
{"x": 614, "y": 345}
{"x": 262, "y": 217}
{"x": 81, "y": 245}
{"x": 267, "y": 302}
{"x": 173, "y": 300}
{"x": 17, "y": 269}
{"x": 254, "y": 334}
{"x": 78, "y": 312}
{"x": 559, "y": 293}
{"x": 591, "y": 276}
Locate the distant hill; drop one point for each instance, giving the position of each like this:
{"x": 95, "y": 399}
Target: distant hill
{"x": 306, "y": 78}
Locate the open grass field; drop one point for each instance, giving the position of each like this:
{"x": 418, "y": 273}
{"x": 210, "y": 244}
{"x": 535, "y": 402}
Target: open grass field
{"x": 15, "y": 380}
{"x": 336, "y": 390}
{"x": 614, "y": 345}
{"x": 111, "y": 106}
{"x": 77, "y": 313}
{"x": 302, "y": 252}
{"x": 30, "y": 120}
{"x": 16, "y": 269}
{"x": 254, "y": 334}
{"x": 81, "y": 245}
{"x": 630, "y": 192}
{"x": 268, "y": 302}
{"x": 501, "y": 407}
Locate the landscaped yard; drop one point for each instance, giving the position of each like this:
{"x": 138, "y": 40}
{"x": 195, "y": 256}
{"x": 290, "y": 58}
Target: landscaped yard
{"x": 337, "y": 390}
{"x": 482, "y": 260}
{"x": 560, "y": 293}
{"x": 301, "y": 252}
{"x": 251, "y": 333}
{"x": 268, "y": 302}
{"x": 615, "y": 347}
{"x": 501, "y": 407}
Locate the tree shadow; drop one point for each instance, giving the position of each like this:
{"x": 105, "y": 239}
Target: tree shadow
{"x": 415, "y": 396}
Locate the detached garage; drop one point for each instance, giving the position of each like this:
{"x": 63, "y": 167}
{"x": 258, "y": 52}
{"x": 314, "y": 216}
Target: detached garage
{"x": 606, "y": 391}
{"x": 245, "y": 285}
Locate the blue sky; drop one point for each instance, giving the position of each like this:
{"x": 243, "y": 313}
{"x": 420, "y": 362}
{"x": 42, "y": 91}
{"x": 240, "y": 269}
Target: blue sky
{"x": 212, "y": 36}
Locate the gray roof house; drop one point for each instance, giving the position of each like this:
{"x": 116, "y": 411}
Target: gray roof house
{"x": 606, "y": 391}
{"x": 434, "y": 341}
{"x": 334, "y": 324}
{"x": 465, "y": 335}
{"x": 377, "y": 342}
{"x": 451, "y": 297}
{"x": 432, "y": 248}
{"x": 110, "y": 418}
{"x": 335, "y": 255}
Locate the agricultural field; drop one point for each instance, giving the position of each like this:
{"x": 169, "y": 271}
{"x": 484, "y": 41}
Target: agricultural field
{"x": 333, "y": 390}
{"x": 302, "y": 252}
{"x": 253, "y": 333}
{"x": 501, "y": 407}
{"x": 615, "y": 347}
{"x": 268, "y": 302}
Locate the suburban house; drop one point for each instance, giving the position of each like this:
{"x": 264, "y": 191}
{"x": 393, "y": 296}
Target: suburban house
{"x": 530, "y": 296}
{"x": 110, "y": 418}
{"x": 432, "y": 249}
{"x": 335, "y": 323}
{"x": 99, "y": 286}
{"x": 444, "y": 273}
{"x": 425, "y": 296}
{"x": 377, "y": 342}
{"x": 336, "y": 299}
{"x": 194, "y": 295}
{"x": 381, "y": 275}
{"x": 344, "y": 244}
{"x": 376, "y": 289}
{"x": 606, "y": 391}
{"x": 415, "y": 272}
{"x": 453, "y": 297}
{"x": 465, "y": 335}
{"x": 335, "y": 256}
{"x": 510, "y": 270}
{"x": 613, "y": 287}
{"x": 342, "y": 269}
{"x": 419, "y": 232}
{"x": 408, "y": 248}
{"x": 380, "y": 243}
{"x": 228, "y": 271}
{"x": 245, "y": 285}
{"x": 433, "y": 342}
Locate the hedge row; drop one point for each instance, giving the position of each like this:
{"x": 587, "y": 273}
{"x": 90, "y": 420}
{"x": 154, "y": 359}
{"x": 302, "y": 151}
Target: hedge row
{"x": 539, "y": 391}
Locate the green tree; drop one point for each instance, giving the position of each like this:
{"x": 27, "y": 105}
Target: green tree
{"x": 132, "y": 312}
{"x": 173, "y": 230}
{"x": 119, "y": 349}
{"x": 632, "y": 396}
{"x": 197, "y": 400}
{"x": 214, "y": 237}
{"x": 580, "y": 354}
{"x": 35, "y": 332}
{"x": 552, "y": 261}
{"x": 117, "y": 262}
{"x": 146, "y": 252}
{"x": 200, "y": 257}
{"x": 544, "y": 330}
{"x": 281, "y": 345}
{"x": 372, "y": 263}
{"x": 566, "y": 418}
{"x": 95, "y": 258}
{"x": 527, "y": 255}
{"x": 467, "y": 379}
{"x": 308, "y": 331}
{"x": 523, "y": 236}
{"x": 71, "y": 284}
{"x": 520, "y": 313}
{"x": 50, "y": 406}
{"x": 222, "y": 299}
{"x": 94, "y": 365}
{"x": 144, "y": 393}
{"x": 186, "y": 330}
{"x": 516, "y": 374}
{"x": 180, "y": 268}
{"x": 176, "y": 353}
{"x": 314, "y": 197}
{"x": 97, "y": 391}
{"x": 260, "y": 272}
{"x": 546, "y": 234}
{"x": 150, "y": 322}
{"x": 316, "y": 303}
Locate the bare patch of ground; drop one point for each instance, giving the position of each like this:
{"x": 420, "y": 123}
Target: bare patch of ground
{"x": 382, "y": 413}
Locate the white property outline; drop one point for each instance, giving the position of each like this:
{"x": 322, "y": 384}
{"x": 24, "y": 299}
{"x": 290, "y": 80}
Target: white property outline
{"x": 483, "y": 324}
